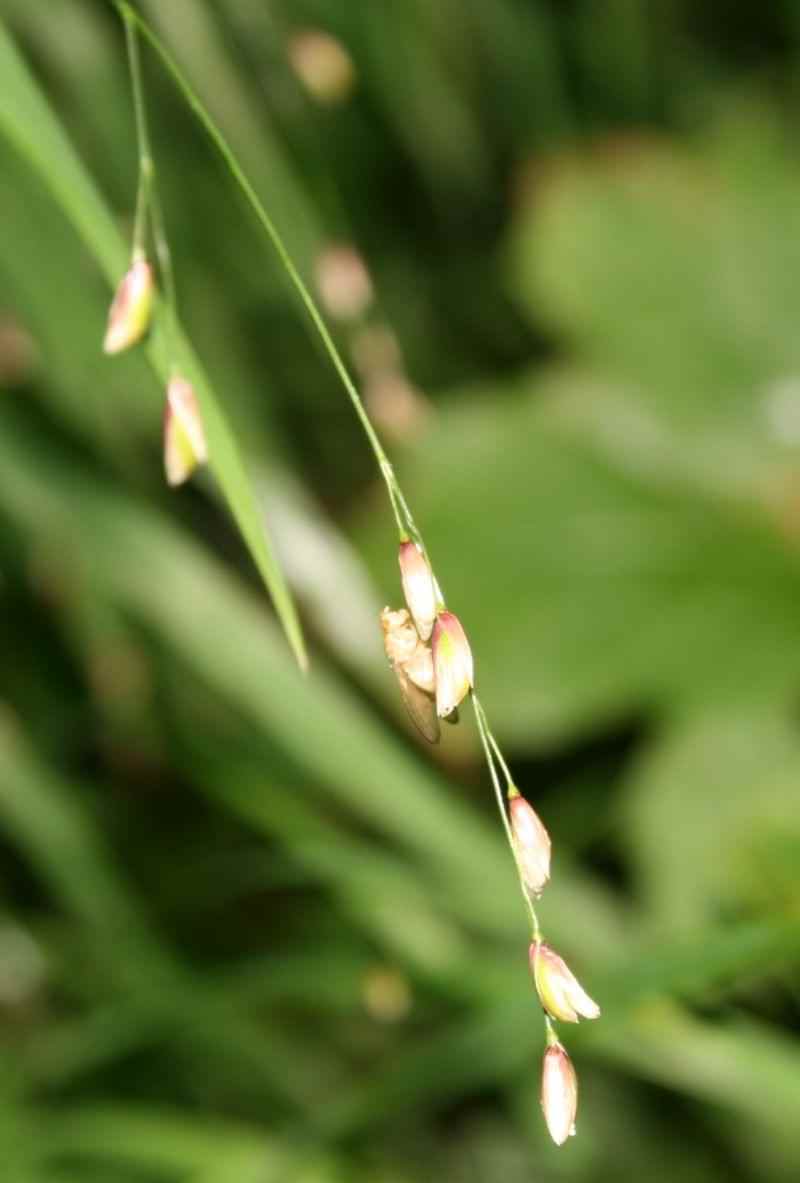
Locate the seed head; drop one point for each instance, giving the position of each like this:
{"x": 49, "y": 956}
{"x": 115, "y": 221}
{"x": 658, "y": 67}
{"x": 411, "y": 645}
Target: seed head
{"x": 129, "y": 314}
{"x": 184, "y": 438}
{"x": 418, "y": 589}
{"x": 559, "y": 1093}
{"x": 452, "y": 663}
{"x": 532, "y": 845}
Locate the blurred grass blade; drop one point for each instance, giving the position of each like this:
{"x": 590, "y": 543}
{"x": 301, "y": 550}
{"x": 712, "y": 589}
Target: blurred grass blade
{"x": 164, "y": 1141}
{"x": 29, "y": 124}
{"x": 43, "y": 815}
{"x": 373, "y": 775}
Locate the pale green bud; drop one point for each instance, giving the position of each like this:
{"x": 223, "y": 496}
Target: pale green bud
{"x": 129, "y": 314}
{"x": 559, "y": 991}
{"x": 184, "y": 437}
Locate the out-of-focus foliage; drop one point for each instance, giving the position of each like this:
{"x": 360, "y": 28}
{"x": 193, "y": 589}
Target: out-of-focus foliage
{"x": 248, "y": 929}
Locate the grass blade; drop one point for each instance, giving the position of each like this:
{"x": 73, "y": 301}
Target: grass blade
{"x": 29, "y": 124}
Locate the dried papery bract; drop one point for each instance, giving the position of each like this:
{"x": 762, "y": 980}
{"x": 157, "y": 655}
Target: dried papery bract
{"x": 184, "y": 437}
{"x": 418, "y": 589}
{"x": 343, "y": 282}
{"x": 531, "y": 844}
{"x": 129, "y": 314}
{"x": 559, "y": 1093}
{"x": 560, "y": 992}
{"x": 452, "y": 663}
{"x": 404, "y": 647}
{"x": 412, "y": 663}
{"x": 400, "y": 638}
{"x": 322, "y": 64}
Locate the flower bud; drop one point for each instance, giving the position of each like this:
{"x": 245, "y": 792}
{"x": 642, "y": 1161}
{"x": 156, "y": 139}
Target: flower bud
{"x": 343, "y": 282}
{"x": 415, "y": 575}
{"x": 559, "y": 1093}
{"x": 452, "y": 663}
{"x": 531, "y": 843}
{"x": 322, "y": 64}
{"x": 129, "y": 314}
{"x": 184, "y": 438}
{"x": 559, "y": 991}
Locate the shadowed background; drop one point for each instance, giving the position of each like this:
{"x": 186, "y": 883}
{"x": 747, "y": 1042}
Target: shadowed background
{"x": 249, "y": 929}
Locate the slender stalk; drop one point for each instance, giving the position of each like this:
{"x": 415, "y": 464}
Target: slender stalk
{"x": 164, "y": 255}
{"x": 142, "y": 140}
{"x": 503, "y": 765}
{"x": 485, "y": 734}
{"x": 147, "y": 197}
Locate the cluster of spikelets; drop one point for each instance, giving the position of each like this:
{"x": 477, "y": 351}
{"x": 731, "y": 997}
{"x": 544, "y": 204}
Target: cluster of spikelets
{"x": 429, "y": 652}
{"x": 427, "y": 647}
{"x": 128, "y": 321}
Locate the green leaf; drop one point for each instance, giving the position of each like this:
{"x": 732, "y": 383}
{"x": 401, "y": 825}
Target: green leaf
{"x": 27, "y": 120}
{"x": 674, "y": 273}
{"x": 723, "y": 781}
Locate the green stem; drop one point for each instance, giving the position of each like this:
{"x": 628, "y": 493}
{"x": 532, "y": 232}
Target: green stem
{"x": 164, "y": 255}
{"x": 142, "y": 140}
{"x": 147, "y": 195}
{"x": 485, "y": 734}
{"x": 503, "y": 765}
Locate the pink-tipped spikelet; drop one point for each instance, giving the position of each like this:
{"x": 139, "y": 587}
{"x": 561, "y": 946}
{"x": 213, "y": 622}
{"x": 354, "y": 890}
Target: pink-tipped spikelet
{"x": 559, "y": 1093}
{"x": 129, "y": 314}
{"x": 184, "y": 437}
{"x": 452, "y": 663}
{"x": 418, "y": 588}
{"x": 531, "y": 844}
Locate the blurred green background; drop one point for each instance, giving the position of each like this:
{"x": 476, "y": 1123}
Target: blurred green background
{"x": 249, "y": 929}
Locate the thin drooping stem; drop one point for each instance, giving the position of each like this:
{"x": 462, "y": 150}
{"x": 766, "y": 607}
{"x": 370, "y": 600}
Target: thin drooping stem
{"x": 503, "y": 765}
{"x": 487, "y": 742}
{"x": 142, "y": 141}
{"x": 164, "y": 255}
{"x": 147, "y": 198}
